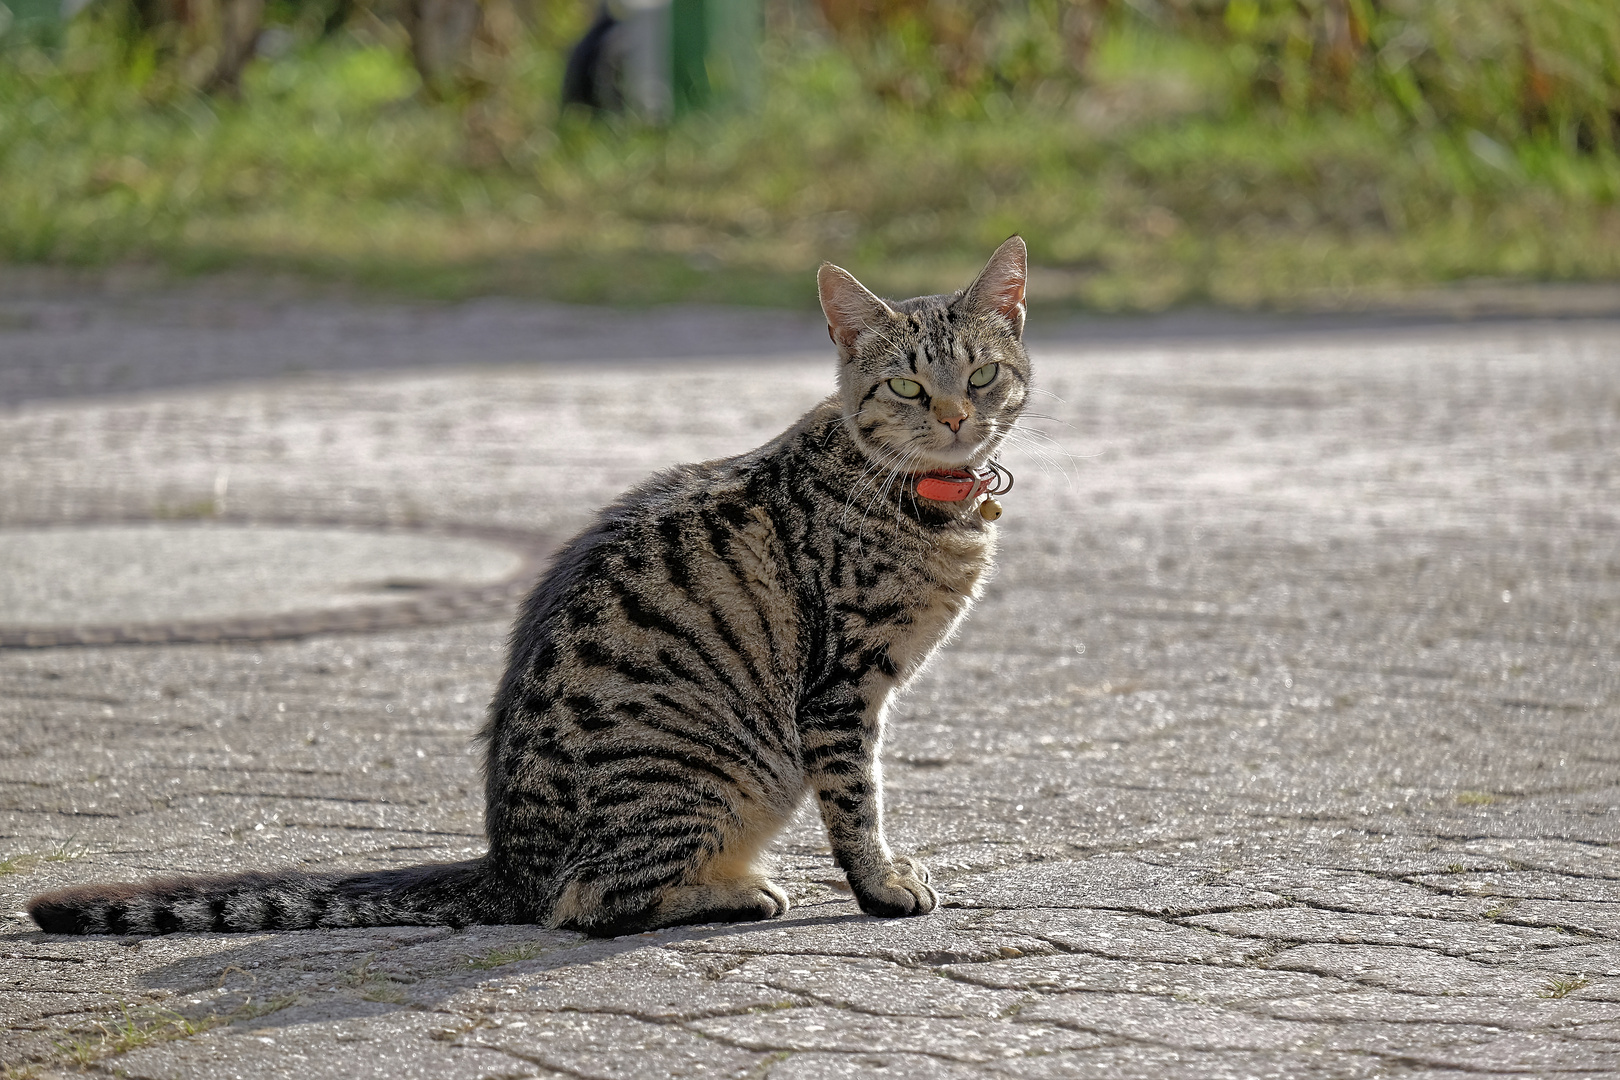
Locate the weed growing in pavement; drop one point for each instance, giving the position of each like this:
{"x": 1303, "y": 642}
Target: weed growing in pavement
{"x": 1561, "y": 986}
{"x": 134, "y": 1029}
{"x": 510, "y": 954}
{"x": 66, "y": 851}
{"x": 373, "y": 985}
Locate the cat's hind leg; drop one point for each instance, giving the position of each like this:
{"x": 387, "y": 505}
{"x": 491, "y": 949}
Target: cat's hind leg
{"x": 686, "y": 905}
{"x": 721, "y": 882}
{"x": 748, "y": 900}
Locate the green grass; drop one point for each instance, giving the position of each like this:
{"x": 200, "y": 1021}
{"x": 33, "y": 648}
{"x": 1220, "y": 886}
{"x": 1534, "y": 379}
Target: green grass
{"x": 1160, "y": 181}
{"x": 1561, "y": 986}
{"x": 134, "y": 1029}
{"x": 500, "y": 957}
{"x": 66, "y": 851}
{"x": 373, "y": 985}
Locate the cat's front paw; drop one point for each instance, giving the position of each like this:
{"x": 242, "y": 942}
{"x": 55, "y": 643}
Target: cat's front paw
{"x": 904, "y": 890}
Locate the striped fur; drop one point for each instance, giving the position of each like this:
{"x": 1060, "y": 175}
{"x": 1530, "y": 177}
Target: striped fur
{"x": 725, "y": 638}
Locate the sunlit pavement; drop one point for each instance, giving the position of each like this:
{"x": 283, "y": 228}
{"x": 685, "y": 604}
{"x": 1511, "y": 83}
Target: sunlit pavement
{"x": 1283, "y": 744}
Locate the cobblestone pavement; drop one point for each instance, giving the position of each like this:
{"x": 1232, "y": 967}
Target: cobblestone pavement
{"x": 1283, "y": 745}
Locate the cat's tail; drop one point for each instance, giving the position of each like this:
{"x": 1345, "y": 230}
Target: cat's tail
{"x": 437, "y": 894}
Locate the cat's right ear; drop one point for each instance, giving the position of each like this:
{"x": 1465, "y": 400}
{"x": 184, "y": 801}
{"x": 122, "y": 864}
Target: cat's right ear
{"x": 850, "y": 307}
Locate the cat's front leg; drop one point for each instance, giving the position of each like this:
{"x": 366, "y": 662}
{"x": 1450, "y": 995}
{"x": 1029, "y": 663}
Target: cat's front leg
{"x": 841, "y": 740}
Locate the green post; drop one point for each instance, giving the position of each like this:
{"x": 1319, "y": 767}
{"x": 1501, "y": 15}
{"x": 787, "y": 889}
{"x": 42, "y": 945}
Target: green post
{"x": 715, "y": 47}
{"x": 29, "y": 17}
{"x": 689, "y": 44}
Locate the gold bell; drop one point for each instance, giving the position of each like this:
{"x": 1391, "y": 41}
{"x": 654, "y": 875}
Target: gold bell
{"x": 990, "y": 510}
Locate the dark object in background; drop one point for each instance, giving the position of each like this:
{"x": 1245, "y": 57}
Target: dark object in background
{"x": 211, "y": 39}
{"x": 657, "y": 59}
{"x": 590, "y": 78}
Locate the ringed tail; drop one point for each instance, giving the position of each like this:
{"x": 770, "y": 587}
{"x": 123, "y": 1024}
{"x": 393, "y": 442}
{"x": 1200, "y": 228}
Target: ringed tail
{"x": 436, "y": 894}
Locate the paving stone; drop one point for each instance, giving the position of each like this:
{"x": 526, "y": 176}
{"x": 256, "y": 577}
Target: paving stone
{"x": 1350, "y": 891}
{"x": 1519, "y": 1052}
{"x": 612, "y": 1047}
{"x": 1446, "y": 936}
{"x": 1183, "y": 981}
{"x": 1596, "y": 919}
{"x": 1166, "y": 1063}
{"x": 947, "y": 937}
{"x": 820, "y": 1028}
{"x": 1531, "y": 884}
{"x": 1412, "y": 971}
{"x": 857, "y": 1066}
{"x": 396, "y": 1043}
{"x": 649, "y": 984}
{"x": 878, "y": 987}
{"x": 1129, "y": 937}
{"x": 1532, "y": 1014}
{"x": 1574, "y": 960}
{"x": 1106, "y": 882}
{"x": 1168, "y": 1022}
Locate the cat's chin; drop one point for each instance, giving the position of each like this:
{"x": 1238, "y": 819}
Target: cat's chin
{"x": 951, "y": 460}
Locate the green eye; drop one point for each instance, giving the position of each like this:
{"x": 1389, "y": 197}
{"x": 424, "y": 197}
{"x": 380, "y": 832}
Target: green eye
{"x": 906, "y": 388}
{"x": 983, "y": 375}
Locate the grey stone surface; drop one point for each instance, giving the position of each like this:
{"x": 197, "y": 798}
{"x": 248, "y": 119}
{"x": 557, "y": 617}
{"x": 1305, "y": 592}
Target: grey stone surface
{"x": 168, "y": 571}
{"x": 1283, "y": 745}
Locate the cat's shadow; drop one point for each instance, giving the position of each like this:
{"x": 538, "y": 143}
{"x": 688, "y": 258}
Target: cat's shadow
{"x": 308, "y": 976}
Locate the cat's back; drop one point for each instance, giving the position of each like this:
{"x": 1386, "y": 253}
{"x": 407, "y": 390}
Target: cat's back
{"x": 684, "y": 578}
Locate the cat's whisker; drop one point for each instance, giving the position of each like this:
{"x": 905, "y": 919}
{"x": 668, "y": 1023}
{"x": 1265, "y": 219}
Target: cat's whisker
{"x": 863, "y": 480}
{"x": 1058, "y": 447}
{"x": 1048, "y": 458}
{"x": 1048, "y": 418}
{"x": 880, "y": 494}
{"x": 904, "y": 469}
{"x": 1035, "y": 437}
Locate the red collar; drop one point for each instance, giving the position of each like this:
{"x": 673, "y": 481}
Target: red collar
{"x": 955, "y": 485}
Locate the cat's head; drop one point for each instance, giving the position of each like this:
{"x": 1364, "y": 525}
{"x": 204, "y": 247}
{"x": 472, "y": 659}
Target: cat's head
{"x": 935, "y": 382}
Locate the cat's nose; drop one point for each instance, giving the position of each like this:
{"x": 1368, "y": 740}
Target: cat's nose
{"x": 953, "y": 422}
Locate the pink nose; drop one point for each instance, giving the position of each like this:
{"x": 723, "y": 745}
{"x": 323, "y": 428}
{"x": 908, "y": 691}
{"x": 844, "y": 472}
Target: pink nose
{"x": 953, "y": 422}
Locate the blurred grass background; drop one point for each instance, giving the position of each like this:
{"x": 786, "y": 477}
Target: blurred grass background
{"x": 1254, "y": 153}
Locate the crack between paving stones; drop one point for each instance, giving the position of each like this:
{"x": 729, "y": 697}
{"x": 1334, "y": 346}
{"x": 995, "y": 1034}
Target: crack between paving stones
{"x": 537, "y": 1062}
{"x": 1521, "y": 866}
{"x": 851, "y": 1007}
{"x": 1462, "y": 920}
{"x": 1603, "y": 846}
{"x": 1288, "y": 943}
{"x": 735, "y": 1044}
{"x": 686, "y": 1025}
{"x": 1414, "y": 1061}
{"x": 1254, "y": 962}
{"x": 1596, "y": 937}
{"x": 1117, "y": 1038}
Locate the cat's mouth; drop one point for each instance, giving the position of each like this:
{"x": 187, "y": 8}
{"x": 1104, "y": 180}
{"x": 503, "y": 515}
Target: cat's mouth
{"x": 960, "y": 450}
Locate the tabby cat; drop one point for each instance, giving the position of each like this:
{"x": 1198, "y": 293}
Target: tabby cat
{"x": 724, "y": 637}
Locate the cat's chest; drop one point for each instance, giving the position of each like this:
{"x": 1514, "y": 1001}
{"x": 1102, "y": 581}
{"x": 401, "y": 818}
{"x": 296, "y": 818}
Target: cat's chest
{"x": 911, "y": 603}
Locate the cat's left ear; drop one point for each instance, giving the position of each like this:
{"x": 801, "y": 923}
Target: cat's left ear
{"x": 1000, "y": 285}
{"x": 850, "y": 307}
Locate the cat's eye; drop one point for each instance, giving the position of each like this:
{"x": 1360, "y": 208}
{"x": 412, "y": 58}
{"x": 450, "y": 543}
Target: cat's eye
{"x": 982, "y": 376}
{"x": 906, "y": 388}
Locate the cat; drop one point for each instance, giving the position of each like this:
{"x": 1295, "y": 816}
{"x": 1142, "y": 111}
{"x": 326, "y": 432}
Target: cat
{"x": 722, "y": 639}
